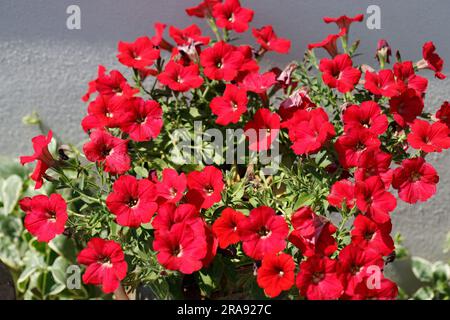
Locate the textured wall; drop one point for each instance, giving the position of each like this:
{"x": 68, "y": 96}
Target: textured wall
{"x": 45, "y": 67}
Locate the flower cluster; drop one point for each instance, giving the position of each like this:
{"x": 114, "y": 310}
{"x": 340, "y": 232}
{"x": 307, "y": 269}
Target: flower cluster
{"x": 352, "y": 138}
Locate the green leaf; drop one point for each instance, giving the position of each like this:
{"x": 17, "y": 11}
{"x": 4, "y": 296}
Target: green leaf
{"x": 10, "y": 193}
{"x": 425, "y": 293}
{"x": 141, "y": 171}
{"x": 58, "y": 270}
{"x": 422, "y": 269}
{"x": 441, "y": 271}
{"x": 64, "y": 247}
{"x": 25, "y": 277}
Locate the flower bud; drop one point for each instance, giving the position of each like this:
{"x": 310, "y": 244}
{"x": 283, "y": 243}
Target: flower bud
{"x": 384, "y": 52}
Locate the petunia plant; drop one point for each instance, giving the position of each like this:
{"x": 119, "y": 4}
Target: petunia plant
{"x": 160, "y": 196}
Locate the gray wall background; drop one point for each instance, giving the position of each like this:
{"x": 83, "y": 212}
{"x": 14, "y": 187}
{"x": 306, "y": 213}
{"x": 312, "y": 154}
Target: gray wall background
{"x": 46, "y": 67}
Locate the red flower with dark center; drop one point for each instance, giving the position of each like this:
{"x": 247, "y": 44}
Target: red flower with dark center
{"x": 258, "y": 83}
{"x": 138, "y": 54}
{"x": 221, "y": 62}
{"x": 231, "y": 16}
{"x": 262, "y": 232}
{"x": 42, "y": 156}
{"x": 443, "y": 114}
{"x": 109, "y": 151}
{"x": 312, "y": 234}
{"x": 406, "y": 107}
{"x": 181, "y": 248}
{"x": 355, "y": 264}
{"x": 429, "y": 137}
{"x": 342, "y": 192}
{"x": 339, "y": 73}
{"x": 225, "y": 227}
{"x": 180, "y": 78}
{"x": 229, "y": 107}
{"x": 100, "y": 115}
{"x": 352, "y": 144}
{"x": 317, "y": 279}
{"x": 142, "y": 120}
{"x": 169, "y": 215}
{"x": 276, "y": 274}
{"x": 329, "y": 43}
{"x": 369, "y": 234}
{"x": 382, "y": 83}
{"x": 386, "y": 290}
{"x": 269, "y": 40}
{"x": 368, "y": 115}
{"x": 344, "y": 22}
{"x": 309, "y": 130}
{"x": 415, "y": 180}
{"x": 433, "y": 60}
{"x": 406, "y": 76}
{"x": 132, "y": 201}
{"x": 191, "y": 35}
{"x": 205, "y": 187}
{"x": 262, "y": 130}
{"x": 203, "y": 9}
{"x": 45, "y": 217}
{"x": 374, "y": 162}
{"x": 373, "y": 199}
{"x": 171, "y": 187}
{"x": 106, "y": 265}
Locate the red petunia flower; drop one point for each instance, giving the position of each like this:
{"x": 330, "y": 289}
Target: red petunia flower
{"x": 374, "y": 162}
{"x": 298, "y": 100}
{"x": 339, "y": 73}
{"x": 205, "y": 187}
{"x": 415, "y": 180}
{"x": 221, "y": 62}
{"x": 368, "y": 234}
{"x": 443, "y": 114}
{"x": 262, "y": 130}
{"x": 45, "y": 217}
{"x": 225, "y": 227}
{"x": 203, "y": 9}
{"x": 353, "y": 264}
{"x": 109, "y": 151}
{"x": 180, "y": 249}
{"x": 382, "y": 83}
{"x": 312, "y": 234}
{"x": 406, "y": 77}
{"x": 231, "y": 16}
{"x": 309, "y": 130}
{"x": 429, "y": 137}
{"x": 100, "y": 115}
{"x": 212, "y": 244}
{"x": 142, "y": 120}
{"x": 249, "y": 64}
{"x": 385, "y": 290}
{"x": 262, "y": 232}
{"x": 276, "y": 274}
{"x": 352, "y": 144}
{"x": 329, "y": 43}
{"x": 42, "y": 156}
{"x": 269, "y": 40}
{"x": 158, "y": 39}
{"x": 169, "y": 215}
{"x": 106, "y": 265}
{"x": 229, "y": 107}
{"x": 191, "y": 35}
{"x": 180, "y": 78}
{"x": 258, "y": 83}
{"x": 368, "y": 115}
{"x": 317, "y": 279}
{"x": 342, "y": 192}
{"x": 433, "y": 60}
{"x": 132, "y": 201}
{"x": 406, "y": 107}
{"x": 171, "y": 187}
{"x": 344, "y": 22}
{"x": 373, "y": 199}
{"x": 138, "y": 54}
